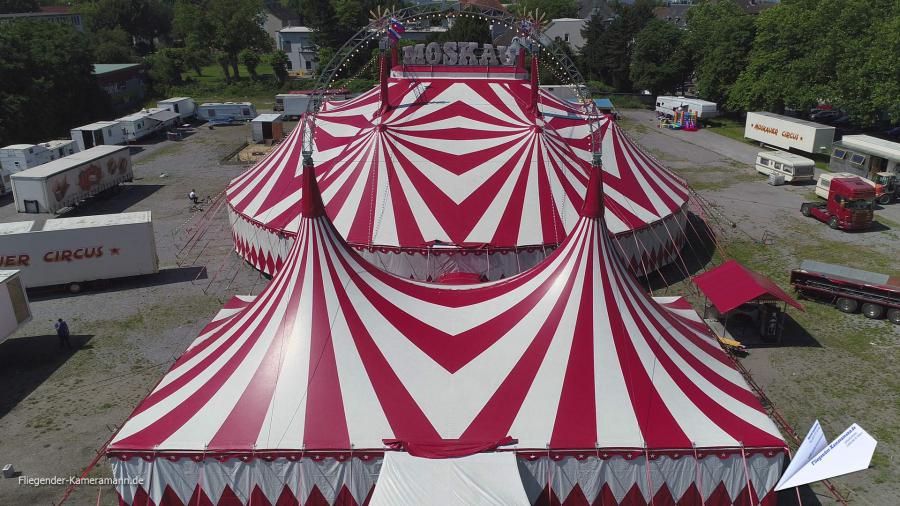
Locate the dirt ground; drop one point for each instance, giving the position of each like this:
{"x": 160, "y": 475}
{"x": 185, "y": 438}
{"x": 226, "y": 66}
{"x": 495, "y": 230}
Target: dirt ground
{"x": 57, "y": 407}
{"x": 833, "y": 367}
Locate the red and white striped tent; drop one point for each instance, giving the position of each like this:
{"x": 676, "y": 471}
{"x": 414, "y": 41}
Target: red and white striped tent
{"x": 606, "y": 395}
{"x": 459, "y": 174}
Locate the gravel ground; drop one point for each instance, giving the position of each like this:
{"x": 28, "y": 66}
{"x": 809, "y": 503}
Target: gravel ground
{"x": 833, "y": 367}
{"x": 57, "y": 407}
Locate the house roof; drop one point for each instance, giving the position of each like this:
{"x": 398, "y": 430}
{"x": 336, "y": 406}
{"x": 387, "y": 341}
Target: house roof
{"x": 590, "y": 8}
{"x": 108, "y": 68}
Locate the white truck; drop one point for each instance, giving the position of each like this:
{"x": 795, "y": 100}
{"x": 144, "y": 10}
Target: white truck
{"x": 184, "y": 107}
{"x": 668, "y": 106}
{"x": 69, "y": 251}
{"x": 788, "y": 133}
{"x": 61, "y": 184}
{"x": 792, "y": 167}
{"x": 14, "y": 309}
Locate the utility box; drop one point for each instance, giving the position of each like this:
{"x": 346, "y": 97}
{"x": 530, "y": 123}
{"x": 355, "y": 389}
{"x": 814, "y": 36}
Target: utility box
{"x": 267, "y": 127}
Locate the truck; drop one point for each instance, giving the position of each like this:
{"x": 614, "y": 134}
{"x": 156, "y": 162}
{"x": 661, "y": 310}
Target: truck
{"x": 824, "y": 182}
{"x": 72, "y": 251}
{"x": 788, "y": 133}
{"x": 850, "y": 205}
{"x": 184, "y": 107}
{"x": 14, "y": 308}
{"x": 668, "y": 106}
{"x": 226, "y": 112}
{"x": 792, "y": 166}
{"x": 57, "y": 186}
{"x": 849, "y": 289}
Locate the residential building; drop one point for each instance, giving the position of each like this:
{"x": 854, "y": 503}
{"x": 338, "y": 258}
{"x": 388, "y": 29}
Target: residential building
{"x": 55, "y": 14}
{"x": 277, "y": 17}
{"x": 123, "y": 82}
{"x": 303, "y": 55}
{"x": 567, "y": 30}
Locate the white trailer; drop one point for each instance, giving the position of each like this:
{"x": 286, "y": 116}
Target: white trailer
{"x": 18, "y": 157}
{"x": 293, "y": 105}
{"x": 148, "y": 122}
{"x": 184, "y": 107}
{"x": 226, "y": 112}
{"x": 98, "y": 134}
{"x": 60, "y": 148}
{"x": 788, "y": 133}
{"x": 77, "y": 250}
{"x": 668, "y": 106}
{"x": 792, "y": 167}
{"x": 14, "y": 309}
{"x": 56, "y": 185}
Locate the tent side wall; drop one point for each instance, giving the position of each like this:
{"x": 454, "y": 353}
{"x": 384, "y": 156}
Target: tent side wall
{"x": 320, "y": 480}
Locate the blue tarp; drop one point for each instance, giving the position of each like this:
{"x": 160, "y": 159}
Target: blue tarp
{"x": 603, "y": 103}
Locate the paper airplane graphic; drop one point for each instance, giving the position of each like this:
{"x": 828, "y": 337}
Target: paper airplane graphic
{"x": 817, "y": 460}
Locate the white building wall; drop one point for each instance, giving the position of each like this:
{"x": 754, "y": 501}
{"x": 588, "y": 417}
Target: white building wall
{"x": 568, "y": 30}
{"x": 300, "y": 49}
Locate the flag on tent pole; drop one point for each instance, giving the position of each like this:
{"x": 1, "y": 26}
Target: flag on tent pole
{"x": 395, "y": 30}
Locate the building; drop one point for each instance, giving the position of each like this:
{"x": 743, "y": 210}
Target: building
{"x": 303, "y": 55}
{"x": 675, "y": 11}
{"x": 55, "y": 14}
{"x": 590, "y": 8}
{"x": 278, "y": 17}
{"x": 865, "y": 156}
{"x": 567, "y": 30}
{"x": 123, "y": 82}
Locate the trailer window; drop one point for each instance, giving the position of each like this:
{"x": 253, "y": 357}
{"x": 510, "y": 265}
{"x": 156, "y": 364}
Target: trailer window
{"x": 779, "y": 166}
{"x": 857, "y": 159}
{"x": 212, "y": 113}
{"x": 838, "y": 153}
{"x": 765, "y": 161}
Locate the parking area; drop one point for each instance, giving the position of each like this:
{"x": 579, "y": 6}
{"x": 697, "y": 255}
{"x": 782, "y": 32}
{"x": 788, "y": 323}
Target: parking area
{"x": 57, "y": 407}
{"x": 834, "y": 367}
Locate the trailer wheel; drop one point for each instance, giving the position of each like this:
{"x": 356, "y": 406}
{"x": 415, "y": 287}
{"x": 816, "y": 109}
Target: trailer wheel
{"x": 74, "y": 288}
{"x": 893, "y": 315}
{"x": 873, "y": 311}
{"x": 833, "y": 222}
{"x": 884, "y": 199}
{"x": 846, "y": 305}
{"x": 805, "y": 209}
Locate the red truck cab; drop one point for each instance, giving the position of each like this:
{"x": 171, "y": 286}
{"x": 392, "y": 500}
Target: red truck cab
{"x": 850, "y": 205}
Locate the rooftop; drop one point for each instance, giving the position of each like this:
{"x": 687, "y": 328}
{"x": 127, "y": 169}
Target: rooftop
{"x": 873, "y": 145}
{"x": 268, "y": 117}
{"x": 18, "y": 146}
{"x": 108, "y": 68}
{"x": 97, "y": 125}
{"x": 296, "y": 29}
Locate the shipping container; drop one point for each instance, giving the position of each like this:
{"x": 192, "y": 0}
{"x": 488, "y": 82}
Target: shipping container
{"x": 788, "y": 133}
{"x": 63, "y": 183}
{"x": 101, "y": 133}
{"x": 185, "y": 107}
{"x": 76, "y": 250}
{"x": 14, "y": 309}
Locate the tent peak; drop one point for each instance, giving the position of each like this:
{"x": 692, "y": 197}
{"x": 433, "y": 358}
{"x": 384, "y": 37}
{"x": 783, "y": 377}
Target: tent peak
{"x": 593, "y": 200}
{"x": 311, "y": 202}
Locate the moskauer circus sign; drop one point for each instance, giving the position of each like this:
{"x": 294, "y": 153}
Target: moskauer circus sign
{"x": 460, "y": 53}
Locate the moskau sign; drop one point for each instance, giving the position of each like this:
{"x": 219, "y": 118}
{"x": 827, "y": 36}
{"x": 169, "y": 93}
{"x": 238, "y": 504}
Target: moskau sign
{"x": 459, "y": 53}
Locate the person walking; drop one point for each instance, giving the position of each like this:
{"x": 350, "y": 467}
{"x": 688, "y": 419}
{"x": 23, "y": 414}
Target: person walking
{"x": 62, "y": 331}
{"x": 193, "y": 196}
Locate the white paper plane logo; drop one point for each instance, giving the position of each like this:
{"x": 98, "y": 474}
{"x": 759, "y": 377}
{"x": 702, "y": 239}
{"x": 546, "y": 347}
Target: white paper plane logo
{"x": 816, "y": 460}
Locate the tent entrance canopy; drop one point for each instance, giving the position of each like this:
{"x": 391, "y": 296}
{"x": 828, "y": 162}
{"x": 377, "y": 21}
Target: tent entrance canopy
{"x": 731, "y": 285}
{"x": 486, "y": 479}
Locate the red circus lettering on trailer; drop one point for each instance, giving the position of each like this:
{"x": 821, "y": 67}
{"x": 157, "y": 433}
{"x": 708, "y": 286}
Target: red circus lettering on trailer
{"x": 67, "y": 255}
{"x": 14, "y": 260}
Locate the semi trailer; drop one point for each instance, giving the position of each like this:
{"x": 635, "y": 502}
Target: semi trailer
{"x": 850, "y": 290}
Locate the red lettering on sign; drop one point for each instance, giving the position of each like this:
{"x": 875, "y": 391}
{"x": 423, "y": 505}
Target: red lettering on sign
{"x": 24, "y": 260}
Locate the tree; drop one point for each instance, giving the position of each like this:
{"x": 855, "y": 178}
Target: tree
{"x": 165, "y": 66}
{"x": 795, "y": 63}
{"x": 468, "y": 30}
{"x": 14, "y": 6}
{"x": 719, "y": 38}
{"x": 546, "y": 73}
{"x": 606, "y": 54}
{"x": 659, "y": 62}
{"x": 47, "y": 85}
{"x": 250, "y": 59}
{"x": 280, "y": 65}
{"x": 144, "y": 20}
{"x": 112, "y": 45}
{"x": 552, "y": 9}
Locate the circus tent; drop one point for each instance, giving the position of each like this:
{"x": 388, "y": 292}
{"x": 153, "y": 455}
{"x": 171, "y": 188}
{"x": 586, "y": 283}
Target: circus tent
{"x": 603, "y": 393}
{"x": 459, "y": 174}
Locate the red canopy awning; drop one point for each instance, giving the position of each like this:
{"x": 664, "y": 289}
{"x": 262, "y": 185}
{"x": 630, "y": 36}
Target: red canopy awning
{"x": 731, "y": 284}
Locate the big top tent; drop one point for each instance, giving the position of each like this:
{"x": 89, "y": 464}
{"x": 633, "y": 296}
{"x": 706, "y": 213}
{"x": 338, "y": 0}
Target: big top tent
{"x": 445, "y": 172}
{"x": 605, "y": 395}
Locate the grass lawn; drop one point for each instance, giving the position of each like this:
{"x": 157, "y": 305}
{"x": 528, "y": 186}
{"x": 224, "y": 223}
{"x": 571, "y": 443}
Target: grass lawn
{"x": 728, "y": 127}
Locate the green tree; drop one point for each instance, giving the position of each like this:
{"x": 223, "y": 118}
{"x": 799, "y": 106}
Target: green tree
{"x": 14, "y": 6}
{"x": 250, "y": 59}
{"x": 606, "y": 54}
{"x": 468, "y": 30}
{"x": 325, "y": 56}
{"x": 719, "y": 39}
{"x": 552, "y": 9}
{"x": 111, "y": 45}
{"x": 659, "y": 61}
{"x": 280, "y": 61}
{"x": 165, "y": 67}
{"x": 548, "y": 73}
{"x": 144, "y": 20}
{"x": 47, "y": 75}
{"x": 796, "y": 63}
